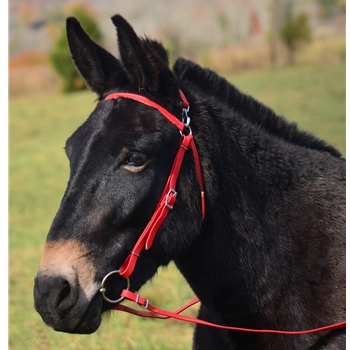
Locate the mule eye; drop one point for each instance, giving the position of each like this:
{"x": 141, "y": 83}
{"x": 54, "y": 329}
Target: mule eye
{"x": 137, "y": 159}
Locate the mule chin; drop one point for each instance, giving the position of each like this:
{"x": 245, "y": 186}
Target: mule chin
{"x": 90, "y": 321}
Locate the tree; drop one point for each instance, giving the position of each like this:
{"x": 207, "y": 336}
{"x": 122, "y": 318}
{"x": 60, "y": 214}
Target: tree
{"x": 60, "y": 56}
{"x": 296, "y": 32}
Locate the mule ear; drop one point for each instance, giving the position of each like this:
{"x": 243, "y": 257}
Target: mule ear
{"x": 145, "y": 64}
{"x": 101, "y": 70}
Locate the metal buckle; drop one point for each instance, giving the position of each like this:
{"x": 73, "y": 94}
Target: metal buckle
{"x": 103, "y": 289}
{"x": 137, "y": 302}
{"x": 167, "y": 197}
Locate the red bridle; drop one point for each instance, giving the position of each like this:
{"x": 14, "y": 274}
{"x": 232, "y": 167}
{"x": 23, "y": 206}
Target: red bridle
{"x": 166, "y": 204}
{"x": 168, "y": 197}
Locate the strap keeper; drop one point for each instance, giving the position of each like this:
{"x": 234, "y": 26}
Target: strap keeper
{"x": 185, "y": 148}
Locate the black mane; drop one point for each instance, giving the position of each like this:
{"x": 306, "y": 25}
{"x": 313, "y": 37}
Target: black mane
{"x": 215, "y": 88}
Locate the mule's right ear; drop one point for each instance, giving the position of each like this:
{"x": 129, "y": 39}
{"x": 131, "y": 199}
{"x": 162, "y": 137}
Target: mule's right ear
{"x": 101, "y": 70}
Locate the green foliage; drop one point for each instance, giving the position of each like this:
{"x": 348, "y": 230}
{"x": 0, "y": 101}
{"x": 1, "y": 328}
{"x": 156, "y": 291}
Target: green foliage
{"x": 296, "y": 32}
{"x": 331, "y": 8}
{"x": 60, "y": 56}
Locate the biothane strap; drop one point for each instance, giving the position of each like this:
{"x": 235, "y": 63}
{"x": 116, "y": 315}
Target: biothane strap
{"x": 169, "y": 194}
{"x": 146, "y": 101}
{"x": 154, "y": 312}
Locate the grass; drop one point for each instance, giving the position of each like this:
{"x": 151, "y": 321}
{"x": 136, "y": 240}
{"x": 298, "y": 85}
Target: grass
{"x": 314, "y": 96}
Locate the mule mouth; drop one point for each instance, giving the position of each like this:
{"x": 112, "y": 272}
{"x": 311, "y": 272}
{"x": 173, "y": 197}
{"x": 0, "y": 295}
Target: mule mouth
{"x": 65, "y": 306}
{"x": 91, "y": 319}
{"x": 71, "y": 310}
{"x": 86, "y": 322}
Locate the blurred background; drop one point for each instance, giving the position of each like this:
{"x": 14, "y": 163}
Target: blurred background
{"x": 288, "y": 54}
{"x": 227, "y": 36}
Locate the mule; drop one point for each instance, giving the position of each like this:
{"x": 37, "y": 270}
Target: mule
{"x": 269, "y": 252}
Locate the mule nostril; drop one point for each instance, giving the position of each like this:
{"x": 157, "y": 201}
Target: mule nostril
{"x": 55, "y": 292}
{"x": 64, "y": 294}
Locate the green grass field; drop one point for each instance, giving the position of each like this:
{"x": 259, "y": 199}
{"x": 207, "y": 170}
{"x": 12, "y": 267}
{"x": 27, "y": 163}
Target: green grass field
{"x": 313, "y": 96}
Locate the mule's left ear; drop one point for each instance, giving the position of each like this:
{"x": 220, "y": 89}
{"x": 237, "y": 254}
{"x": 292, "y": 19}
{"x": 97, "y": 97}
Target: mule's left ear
{"x": 144, "y": 60}
{"x": 101, "y": 70}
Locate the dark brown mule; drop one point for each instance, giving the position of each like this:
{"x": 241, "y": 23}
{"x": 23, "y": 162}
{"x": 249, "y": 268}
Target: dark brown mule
{"x": 270, "y": 252}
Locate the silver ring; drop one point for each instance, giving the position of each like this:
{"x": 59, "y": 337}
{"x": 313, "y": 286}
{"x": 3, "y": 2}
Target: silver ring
{"x": 103, "y": 289}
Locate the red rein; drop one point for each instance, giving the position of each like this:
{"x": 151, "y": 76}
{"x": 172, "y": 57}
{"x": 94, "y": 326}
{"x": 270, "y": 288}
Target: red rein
{"x": 166, "y": 204}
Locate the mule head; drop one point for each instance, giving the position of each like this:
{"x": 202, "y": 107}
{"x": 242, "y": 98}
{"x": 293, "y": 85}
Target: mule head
{"x": 120, "y": 158}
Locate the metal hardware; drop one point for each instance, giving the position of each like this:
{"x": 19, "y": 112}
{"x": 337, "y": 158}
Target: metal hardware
{"x": 103, "y": 289}
{"x": 137, "y": 301}
{"x": 167, "y": 197}
{"x": 186, "y": 120}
